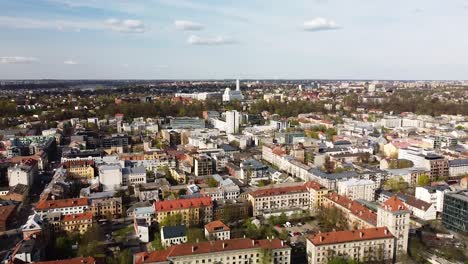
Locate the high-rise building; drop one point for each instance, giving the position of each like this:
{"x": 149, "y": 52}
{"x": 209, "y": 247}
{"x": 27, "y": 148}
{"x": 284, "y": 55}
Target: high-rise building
{"x": 455, "y": 212}
{"x": 232, "y": 122}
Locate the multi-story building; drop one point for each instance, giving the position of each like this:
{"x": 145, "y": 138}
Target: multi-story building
{"x": 419, "y": 208}
{"x": 106, "y": 207}
{"x": 396, "y": 217}
{"x": 134, "y": 176}
{"x": 374, "y": 245}
{"x": 316, "y": 193}
{"x": 277, "y": 200}
{"x": 23, "y": 173}
{"x": 230, "y": 209}
{"x": 78, "y": 222}
{"x": 110, "y": 177}
{"x": 232, "y": 122}
{"x": 358, "y": 216}
{"x": 455, "y": 212}
{"x": 64, "y": 206}
{"x": 240, "y": 250}
{"x": 187, "y": 122}
{"x": 433, "y": 195}
{"x": 357, "y": 189}
{"x": 194, "y": 211}
{"x": 202, "y": 165}
{"x": 80, "y": 169}
{"x": 458, "y": 168}
{"x": 217, "y": 230}
{"x": 437, "y": 165}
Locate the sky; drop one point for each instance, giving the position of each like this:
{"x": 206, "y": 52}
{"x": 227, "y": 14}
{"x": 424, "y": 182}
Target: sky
{"x": 247, "y": 39}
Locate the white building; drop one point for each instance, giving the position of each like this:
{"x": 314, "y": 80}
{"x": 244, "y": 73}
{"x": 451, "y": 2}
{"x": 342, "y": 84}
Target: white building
{"x": 377, "y": 244}
{"x": 110, "y": 177}
{"x": 396, "y": 217}
{"x": 217, "y": 230}
{"x": 433, "y": 195}
{"x": 63, "y": 206}
{"x": 357, "y": 189}
{"x": 232, "y": 122}
{"x": 146, "y": 213}
{"x": 230, "y": 95}
{"x": 20, "y": 174}
{"x": 173, "y": 235}
{"x": 458, "y": 167}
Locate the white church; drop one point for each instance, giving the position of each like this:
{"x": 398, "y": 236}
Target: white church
{"x": 233, "y": 95}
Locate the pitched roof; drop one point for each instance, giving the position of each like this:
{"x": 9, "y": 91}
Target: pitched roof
{"x": 206, "y": 248}
{"x": 62, "y": 203}
{"x": 394, "y": 204}
{"x": 174, "y": 231}
{"x": 355, "y": 208}
{"x": 6, "y": 211}
{"x": 78, "y": 217}
{"x": 350, "y": 236}
{"x": 170, "y": 205}
{"x": 278, "y": 191}
{"x": 313, "y": 185}
{"x": 216, "y": 226}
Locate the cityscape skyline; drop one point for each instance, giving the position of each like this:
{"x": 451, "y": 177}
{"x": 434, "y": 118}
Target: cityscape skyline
{"x": 181, "y": 39}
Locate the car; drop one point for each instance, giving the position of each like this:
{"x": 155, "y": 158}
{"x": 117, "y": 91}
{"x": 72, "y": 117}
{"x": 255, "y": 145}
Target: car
{"x": 299, "y": 224}
{"x": 297, "y": 233}
{"x": 278, "y": 225}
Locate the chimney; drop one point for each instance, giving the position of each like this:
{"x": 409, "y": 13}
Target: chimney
{"x": 193, "y": 249}
{"x": 386, "y": 231}
{"x": 282, "y": 243}
{"x": 321, "y": 238}
{"x": 224, "y": 245}
{"x": 361, "y": 234}
{"x": 253, "y": 242}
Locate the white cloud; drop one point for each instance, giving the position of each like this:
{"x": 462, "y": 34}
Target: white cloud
{"x": 320, "y": 23}
{"x": 126, "y": 26}
{"x": 187, "y": 25}
{"x": 70, "y": 62}
{"x": 210, "y": 41}
{"x": 17, "y": 60}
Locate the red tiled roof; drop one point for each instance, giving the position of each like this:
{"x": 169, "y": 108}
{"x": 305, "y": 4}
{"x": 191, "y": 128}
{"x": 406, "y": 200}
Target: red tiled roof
{"x": 170, "y": 205}
{"x": 313, "y": 185}
{"x": 49, "y": 204}
{"x": 78, "y": 217}
{"x": 206, "y": 248}
{"x": 350, "y": 236}
{"x": 77, "y": 163}
{"x": 79, "y": 260}
{"x": 216, "y": 226}
{"x": 394, "y": 204}
{"x": 355, "y": 208}
{"x": 278, "y": 191}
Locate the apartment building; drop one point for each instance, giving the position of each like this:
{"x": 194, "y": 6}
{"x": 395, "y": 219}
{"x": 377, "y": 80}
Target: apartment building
{"x": 202, "y": 165}
{"x": 277, "y": 200}
{"x": 194, "y": 211}
{"x": 64, "y": 206}
{"x": 367, "y": 245}
{"x": 78, "y": 222}
{"x": 458, "y": 168}
{"x": 358, "y": 216}
{"x": 240, "y": 250}
{"x": 80, "y": 169}
{"x": 106, "y": 207}
{"x": 317, "y": 193}
{"x": 396, "y": 217}
{"x": 357, "y": 189}
{"x": 433, "y": 195}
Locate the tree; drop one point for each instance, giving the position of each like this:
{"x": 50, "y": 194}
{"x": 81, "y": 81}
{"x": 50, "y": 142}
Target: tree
{"x": 195, "y": 235}
{"x": 266, "y": 256}
{"x": 396, "y": 184}
{"x": 423, "y": 180}
{"x": 211, "y": 182}
{"x": 156, "y": 244}
{"x": 172, "y": 220}
{"x": 123, "y": 257}
{"x": 329, "y": 165}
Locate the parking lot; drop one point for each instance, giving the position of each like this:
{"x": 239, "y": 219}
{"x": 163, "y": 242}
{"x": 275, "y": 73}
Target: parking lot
{"x": 297, "y": 232}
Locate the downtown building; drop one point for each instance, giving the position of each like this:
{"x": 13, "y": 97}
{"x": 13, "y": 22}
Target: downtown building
{"x": 194, "y": 211}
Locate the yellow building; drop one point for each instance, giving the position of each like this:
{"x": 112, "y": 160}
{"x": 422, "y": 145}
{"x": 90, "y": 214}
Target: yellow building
{"x": 80, "y": 169}
{"x": 106, "y": 207}
{"x": 78, "y": 222}
{"x": 194, "y": 211}
{"x": 317, "y": 193}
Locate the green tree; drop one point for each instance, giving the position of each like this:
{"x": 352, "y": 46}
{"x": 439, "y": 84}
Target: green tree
{"x": 211, "y": 181}
{"x": 423, "y": 180}
{"x": 396, "y": 184}
{"x": 123, "y": 257}
{"x": 172, "y": 220}
{"x": 195, "y": 235}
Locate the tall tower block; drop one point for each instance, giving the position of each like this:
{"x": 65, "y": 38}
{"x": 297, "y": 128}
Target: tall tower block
{"x": 237, "y": 85}
{"x": 394, "y": 215}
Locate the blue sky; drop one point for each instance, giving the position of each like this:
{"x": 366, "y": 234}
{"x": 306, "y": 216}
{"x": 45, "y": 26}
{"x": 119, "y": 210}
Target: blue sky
{"x": 197, "y": 39}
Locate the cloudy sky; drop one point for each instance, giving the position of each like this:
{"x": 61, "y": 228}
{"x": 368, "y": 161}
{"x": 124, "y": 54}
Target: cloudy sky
{"x": 196, "y": 39}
